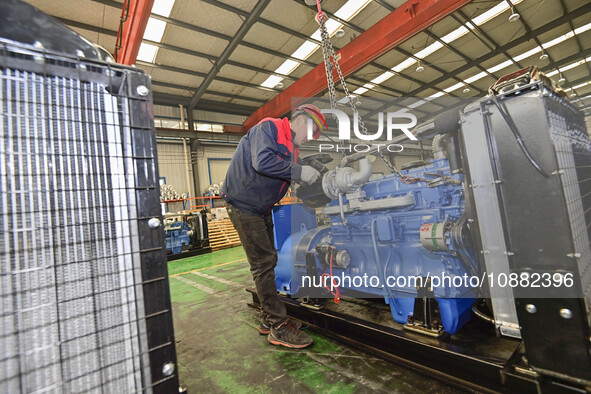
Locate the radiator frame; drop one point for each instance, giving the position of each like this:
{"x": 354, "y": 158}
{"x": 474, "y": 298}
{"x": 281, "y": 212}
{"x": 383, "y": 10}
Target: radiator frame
{"x": 132, "y": 89}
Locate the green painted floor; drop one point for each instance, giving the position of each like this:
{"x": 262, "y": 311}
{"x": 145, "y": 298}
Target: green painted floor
{"x": 219, "y": 349}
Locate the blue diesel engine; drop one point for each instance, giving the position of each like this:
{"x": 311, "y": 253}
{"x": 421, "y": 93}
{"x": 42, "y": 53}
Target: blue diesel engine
{"x": 390, "y": 237}
{"x": 178, "y": 236}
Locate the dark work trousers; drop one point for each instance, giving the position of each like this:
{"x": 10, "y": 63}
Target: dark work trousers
{"x": 256, "y": 235}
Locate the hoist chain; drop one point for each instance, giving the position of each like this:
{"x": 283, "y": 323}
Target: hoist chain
{"x": 331, "y": 61}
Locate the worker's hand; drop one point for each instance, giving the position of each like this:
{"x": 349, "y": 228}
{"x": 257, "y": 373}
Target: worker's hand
{"x": 309, "y": 175}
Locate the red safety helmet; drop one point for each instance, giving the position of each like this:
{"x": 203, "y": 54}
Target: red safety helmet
{"x": 312, "y": 112}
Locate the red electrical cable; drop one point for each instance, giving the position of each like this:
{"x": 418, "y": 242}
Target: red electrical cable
{"x": 320, "y": 15}
{"x": 408, "y": 179}
{"x": 337, "y": 293}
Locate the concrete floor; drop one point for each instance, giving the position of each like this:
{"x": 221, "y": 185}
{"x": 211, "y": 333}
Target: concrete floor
{"x": 219, "y": 349}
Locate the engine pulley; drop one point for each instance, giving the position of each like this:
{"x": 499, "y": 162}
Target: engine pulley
{"x": 435, "y": 236}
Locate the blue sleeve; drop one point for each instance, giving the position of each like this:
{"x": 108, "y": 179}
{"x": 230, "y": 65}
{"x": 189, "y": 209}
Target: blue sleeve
{"x": 265, "y": 154}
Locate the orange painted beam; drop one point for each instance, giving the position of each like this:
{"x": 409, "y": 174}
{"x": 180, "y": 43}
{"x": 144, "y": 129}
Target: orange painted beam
{"x": 404, "y": 22}
{"x": 133, "y": 29}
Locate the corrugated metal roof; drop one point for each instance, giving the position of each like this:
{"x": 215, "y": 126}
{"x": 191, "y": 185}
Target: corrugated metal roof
{"x": 198, "y": 31}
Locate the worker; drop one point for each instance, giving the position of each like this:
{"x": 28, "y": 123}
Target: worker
{"x": 262, "y": 169}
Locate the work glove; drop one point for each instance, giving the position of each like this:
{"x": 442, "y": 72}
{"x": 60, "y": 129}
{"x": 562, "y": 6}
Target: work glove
{"x": 309, "y": 175}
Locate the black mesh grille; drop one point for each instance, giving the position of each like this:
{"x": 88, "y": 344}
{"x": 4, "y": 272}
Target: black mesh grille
{"x": 573, "y": 153}
{"x": 80, "y": 266}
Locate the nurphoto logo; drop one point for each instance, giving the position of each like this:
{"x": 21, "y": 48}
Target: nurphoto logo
{"x": 400, "y": 121}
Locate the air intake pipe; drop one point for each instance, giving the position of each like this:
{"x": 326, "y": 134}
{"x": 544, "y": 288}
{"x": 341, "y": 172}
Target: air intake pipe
{"x": 346, "y": 180}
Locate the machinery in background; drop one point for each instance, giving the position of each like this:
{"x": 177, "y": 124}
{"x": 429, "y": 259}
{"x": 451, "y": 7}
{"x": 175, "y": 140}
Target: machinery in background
{"x": 506, "y": 196}
{"x": 186, "y": 234}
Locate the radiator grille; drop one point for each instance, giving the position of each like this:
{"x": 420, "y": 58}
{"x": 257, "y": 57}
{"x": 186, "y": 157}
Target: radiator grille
{"x": 72, "y": 283}
{"x": 573, "y": 154}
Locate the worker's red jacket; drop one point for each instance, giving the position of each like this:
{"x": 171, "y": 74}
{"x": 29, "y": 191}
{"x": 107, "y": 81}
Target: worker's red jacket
{"x": 262, "y": 167}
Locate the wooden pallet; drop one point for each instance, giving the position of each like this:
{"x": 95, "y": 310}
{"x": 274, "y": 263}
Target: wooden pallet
{"x": 222, "y": 235}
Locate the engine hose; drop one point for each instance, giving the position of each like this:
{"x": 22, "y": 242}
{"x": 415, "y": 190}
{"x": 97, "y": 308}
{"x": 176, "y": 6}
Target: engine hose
{"x": 376, "y": 255}
{"x": 458, "y": 240}
{"x": 468, "y": 261}
{"x": 482, "y": 315}
{"x": 336, "y": 293}
{"x": 342, "y": 210}
{"x": 505, "y": 114}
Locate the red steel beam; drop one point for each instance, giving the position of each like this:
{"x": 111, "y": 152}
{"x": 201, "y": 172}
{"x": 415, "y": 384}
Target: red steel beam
{"x": 133, "y": 29}
{"x": 404, "y": 22}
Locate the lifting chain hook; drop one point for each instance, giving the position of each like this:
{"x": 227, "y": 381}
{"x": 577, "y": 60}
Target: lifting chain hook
{"x": 329, "y": 55}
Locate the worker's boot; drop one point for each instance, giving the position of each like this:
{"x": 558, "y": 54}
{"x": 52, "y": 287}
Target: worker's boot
{"x": 265, "y": 325}
{"x": 288, "y": 335}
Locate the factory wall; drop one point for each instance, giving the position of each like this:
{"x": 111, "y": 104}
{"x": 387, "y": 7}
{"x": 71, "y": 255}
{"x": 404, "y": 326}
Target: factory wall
{"x": 171, "y": 165}
{"x": 212, "y": 159}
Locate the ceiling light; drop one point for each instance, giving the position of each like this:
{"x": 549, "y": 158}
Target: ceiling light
{"x": 573, "y": 94}
{"x": 476, "y": 77}
{"x": 332, "y": 26}
{"x": 573, "y": 65}
{"x": 147, "y": 52}
{"x": 423, "y": 53}
{"x": 340, "y": 33}
{"x": 527, "y": 54}
{"x": 531, "y": 52}
{"x": 420, "y": 68}
{"x": 346, "y": 12}
{"x": 559, "y": 39}
{"x": 457, "y": 33}
{"x": 436, "y": 95}
{"x": 454, "y": 87}
{"x": 287, "y": 67}
{"x": 272, "y": 81}
{"x": 416, "y": 104}
{"x": 353, "y": 99}
{"x": 383, "y": 77}
{"x": 466, "y": 90}
{"x": 544, "y": 56}
{"x": 305, "y": 50}
{"x": 582, "y": 29}
{"x": 552, "y": 73}
{"x": 581, "y": 85}
{"x": 514, "y": 16}
{"x": 154, "y": 30}
{"x": 350, "y": 9}
{"x": 493, "y": 12}
{"x": 162, "y": 7}
{"x": 454, "y": 35}
{"x": 498, "y": 67}
{"x": 279, "y": 85}
{"x": 404, "y": 65}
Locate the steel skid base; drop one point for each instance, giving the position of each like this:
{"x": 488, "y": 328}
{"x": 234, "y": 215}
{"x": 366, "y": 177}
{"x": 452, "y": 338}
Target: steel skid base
{"x": 473, "y": 359}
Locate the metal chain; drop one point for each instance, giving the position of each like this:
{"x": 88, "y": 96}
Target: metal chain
{"x": 330, "y": 61}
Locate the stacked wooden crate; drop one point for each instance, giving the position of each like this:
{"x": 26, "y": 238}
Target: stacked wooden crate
{"x": 222, "y": 234}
